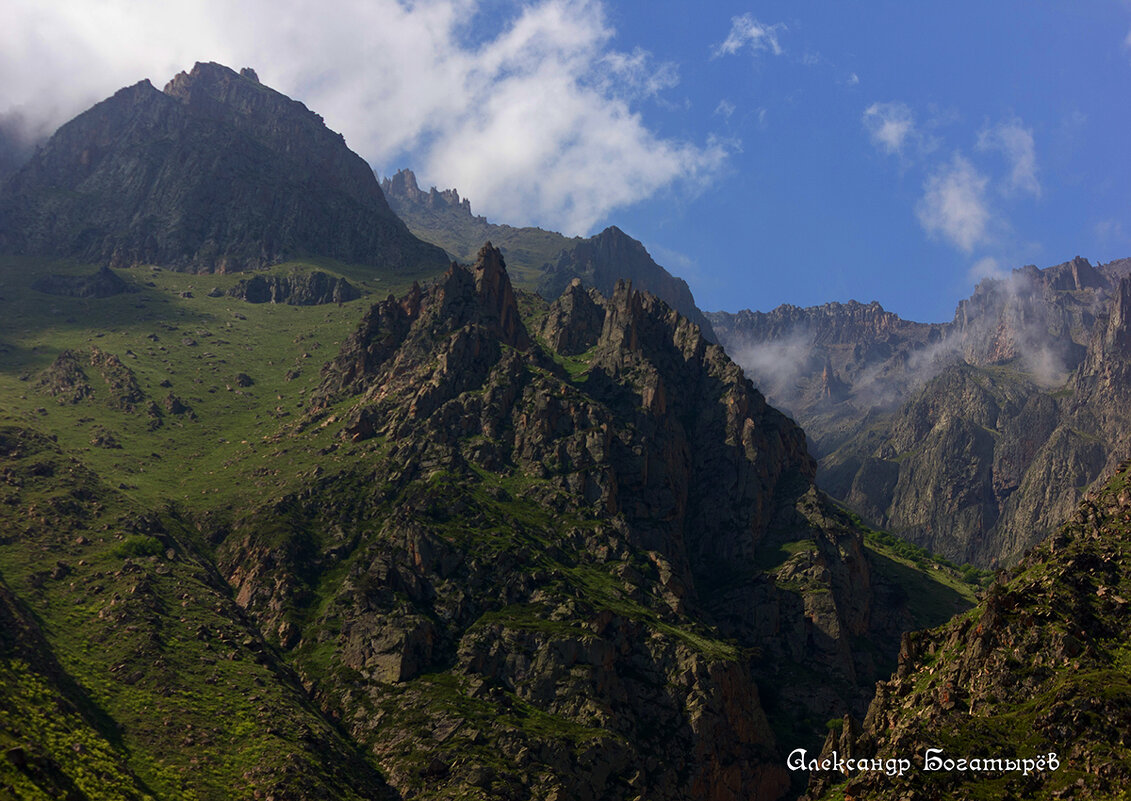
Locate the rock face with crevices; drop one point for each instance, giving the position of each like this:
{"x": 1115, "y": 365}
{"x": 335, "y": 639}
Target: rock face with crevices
{"x": 216, "y": 173}
{"x": 1039, "y": 667}
{"x": 972, "y": 438}
{"x": 296, "y": 289}
{"x": 563, "y": 576}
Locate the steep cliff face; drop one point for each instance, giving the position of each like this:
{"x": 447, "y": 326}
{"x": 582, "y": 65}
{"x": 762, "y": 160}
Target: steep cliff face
{"x": 971, "y": 438}
{"x": 1039, "y": 667}
{"x": 215, "y": 173}
{"x": 1041, "y": 318}
{"x": 831, "y": 366}
{"x": 554, "y": 575}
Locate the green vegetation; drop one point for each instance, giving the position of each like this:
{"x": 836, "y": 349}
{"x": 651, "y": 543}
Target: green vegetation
{"x": 122, "y": 530}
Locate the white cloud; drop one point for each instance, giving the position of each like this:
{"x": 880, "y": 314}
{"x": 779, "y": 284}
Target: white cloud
{"x": 954, "y": 205}
{"x": 987, "y": 267}
{"x": 535, "y": 121}
{"x": 1016, "y": 143}
{"x": 891, "y": 126}
{"x": 852, "y": 80}
{"x": 725, "y": 108}
{"x": 745, "y": 31}
{"x": 636, "y": 75}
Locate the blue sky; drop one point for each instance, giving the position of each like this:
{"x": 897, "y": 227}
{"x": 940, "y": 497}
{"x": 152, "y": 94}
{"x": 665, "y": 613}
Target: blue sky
{"x": 770, "y": 152}
{"x": 819, "y": 201}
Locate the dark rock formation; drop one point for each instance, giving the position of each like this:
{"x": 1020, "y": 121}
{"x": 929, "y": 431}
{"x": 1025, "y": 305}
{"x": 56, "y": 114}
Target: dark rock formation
{"x": 103, "y": 284}
{"x": 574, "y": 321}
{"x": 296, "y": 289}
{"x": 66, "y": 380}
{"x": 1039, "y": 667}
{"x": 611, "y": 256}
{"x": 215, "y": 173}
{"x": 624, "y": 547}
{"x": 545, "y": 261}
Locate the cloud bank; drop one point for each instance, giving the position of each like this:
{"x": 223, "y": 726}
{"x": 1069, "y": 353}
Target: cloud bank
{"x": 954, "y": 205}
{"x": 529, "y": 110}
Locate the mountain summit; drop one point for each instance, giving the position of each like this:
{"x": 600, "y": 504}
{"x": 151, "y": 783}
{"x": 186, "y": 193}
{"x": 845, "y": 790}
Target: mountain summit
{"x": 216, "y": 173}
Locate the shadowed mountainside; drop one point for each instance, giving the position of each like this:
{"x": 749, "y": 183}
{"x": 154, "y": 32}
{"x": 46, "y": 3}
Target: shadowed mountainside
{"x": 215, "y": 173}
{"x": 1039, "y": 667}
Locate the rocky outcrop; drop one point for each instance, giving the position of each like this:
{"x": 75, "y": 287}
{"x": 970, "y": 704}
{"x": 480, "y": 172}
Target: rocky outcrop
{"x": 445, "y": 219}
{"x": 215, "y": 173}
{"x": 403, "y": 188}
{"x": 103, "y": 284}
{"x": 553, "y": 575}
{"x": 573, "y": 322}
{"x": 67, "y": 381}
{"x": 1038, "y": 668}
{"x": 297, "y": 289}
{"x": 611, "y": 256}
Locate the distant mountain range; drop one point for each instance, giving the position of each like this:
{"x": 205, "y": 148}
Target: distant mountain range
{"x": 972, "y": 438}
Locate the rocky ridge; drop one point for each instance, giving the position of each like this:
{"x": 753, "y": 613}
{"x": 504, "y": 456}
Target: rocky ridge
{"x": 542, "y": 260}
{"x": 584, "y": 557}
{"x": 216, "y": 173}
{"x": 1039, "y": 667}
{"x": 971, "y": 438}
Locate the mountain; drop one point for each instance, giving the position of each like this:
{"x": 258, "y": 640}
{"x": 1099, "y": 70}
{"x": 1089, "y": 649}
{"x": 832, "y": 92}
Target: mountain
{"x": 415, "y": 550}
{"x": 444, "y": 219}
{"x": 972, "y": 438}
{"x": 16, "y": 144}
{"x": 541, "y": 260}
{"x": 831, "y": 366}
{"x": 1040, "y": 667}
{"x": 215, "y": 173}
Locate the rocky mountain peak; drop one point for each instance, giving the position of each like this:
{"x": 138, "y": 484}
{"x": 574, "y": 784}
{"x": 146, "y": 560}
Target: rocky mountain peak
{"x": 404, "y": 187}
{"x": 403, "y": 184}
{"x": 493, "y": 286}
{"x": 610, "y": 256}
{"x": 177, "y": 178}
{"x": 574, "y": 322}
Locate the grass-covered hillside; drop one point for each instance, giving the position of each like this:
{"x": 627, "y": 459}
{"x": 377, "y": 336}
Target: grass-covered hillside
{"x": 405, "y": 548}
